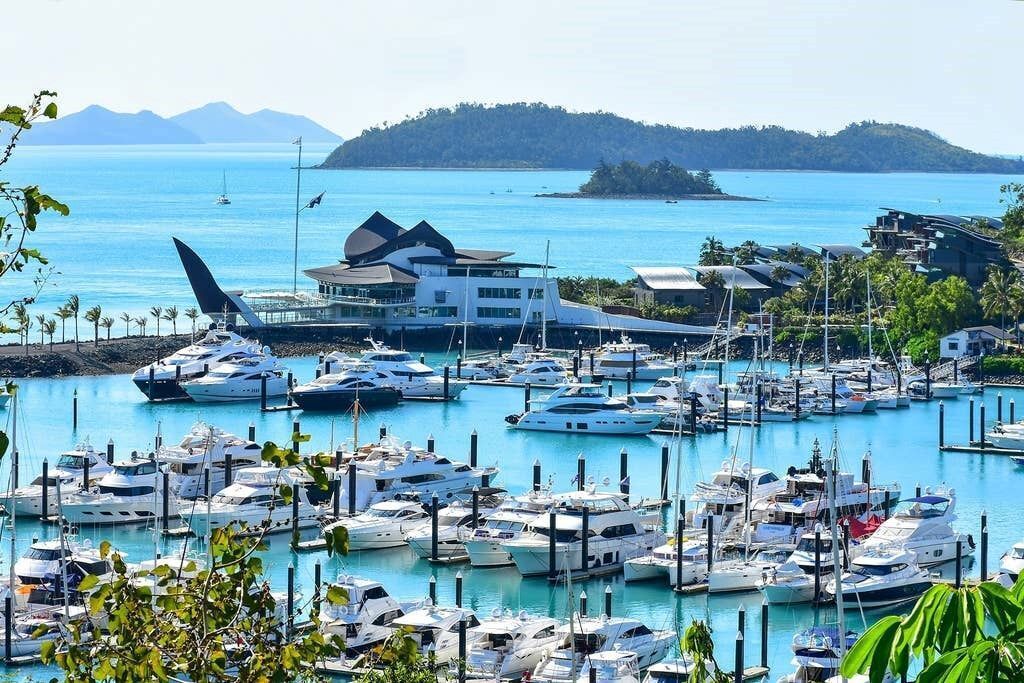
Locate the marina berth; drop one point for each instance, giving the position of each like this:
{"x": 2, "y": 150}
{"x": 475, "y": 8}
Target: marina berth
{"x": 724, "y": 498}
{"x": 245, "y": 379}
{"x": 161, "y": 379}
{"x": 743, "y": 574}
{"x": 455, "y": 524}
{"x": 584, "y": 409}
{"x": 69, "y": 470}
{"x": 339, "y": 390}
{"x": 401, "y": 371}
{"x": 617, "y": 360}
{"x": 792, "y": 582}
{"x": 202, "y": 454}
{"x": 129, "y": 494}
{"x": 663, "y": 564}
{"x": 507, "y": 646}
{"x": 507, "y": 523}
{"x": 544, "y": 371}
{"x": 382, "y": 525}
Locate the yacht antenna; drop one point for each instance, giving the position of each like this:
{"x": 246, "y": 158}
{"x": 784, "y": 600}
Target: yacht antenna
{"x": 355, "y": 423}
{"x": 544, "y": 301}
{"x": 298, "y": 185}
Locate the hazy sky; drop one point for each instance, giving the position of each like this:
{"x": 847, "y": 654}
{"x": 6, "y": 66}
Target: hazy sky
{"x": 947, "y": 65}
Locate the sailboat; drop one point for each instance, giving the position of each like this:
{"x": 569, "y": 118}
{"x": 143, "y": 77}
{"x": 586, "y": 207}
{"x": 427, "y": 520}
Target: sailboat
{"x": 223, "y": 198}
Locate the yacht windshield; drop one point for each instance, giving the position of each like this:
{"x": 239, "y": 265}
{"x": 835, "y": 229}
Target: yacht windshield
{"x": 587, "y": 643}
{"x": 878, "y": 570}
{"x": 806, "y": 545}
{"x": 71, "y": 462}
{"x": 42, "y": 554}
{"x": 377, "y": 513}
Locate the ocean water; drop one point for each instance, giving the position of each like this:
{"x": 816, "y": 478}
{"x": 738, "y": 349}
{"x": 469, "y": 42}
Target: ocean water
{"x": 902, "y": 443}
{"x": 126, "y": 202}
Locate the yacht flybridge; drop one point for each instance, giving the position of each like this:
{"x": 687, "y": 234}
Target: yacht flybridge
{"x": 401, "y": 371}
{"x": 128, "y": 494}
{"x": 507, "y": 646}
{"x": 923, "y": 525}
{"x": 617, "y": 360}
{"x": 203, "y": 448}
{"x": 584, "y": 409}
{"x": 161, "y": 379}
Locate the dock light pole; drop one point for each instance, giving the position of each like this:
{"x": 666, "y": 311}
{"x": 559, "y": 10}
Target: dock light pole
{"x": 311, "y": 204}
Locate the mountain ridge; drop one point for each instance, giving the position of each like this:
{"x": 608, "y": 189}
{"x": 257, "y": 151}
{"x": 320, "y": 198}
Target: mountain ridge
{"x": 536, "y": 135}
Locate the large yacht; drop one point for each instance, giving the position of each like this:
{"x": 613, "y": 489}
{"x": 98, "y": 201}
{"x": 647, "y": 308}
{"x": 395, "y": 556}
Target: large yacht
{"x": 724, "y": 497}
{"x": 514, "y": 516}
{"x": 162, "y": 379}
{"x": 792, "y": 581}
{"x": 922, "y": 525}
{"x": 506, "y": 646}
{"x": 454, "y": 526}
{"x": 602, "y": 634}
{"x": 584, "y": 409}
{"x": 882, "y": 577}
{"x": 410, "y": 377}
{"x": 203, "y": 448}
{"x": 365, "y": 621}
{"x": 617, "y": 360}
{"x": 130, "y": 493}
{"x": 70, "y": 471}
{"x": 617, "y": 533}
{"x": 540, "y": 371}
{"x": 382, "y": 525}
{"x": 435, "y": 630}
{"x": 44, "y": 560}
{"x": 339, "y": 390}
{"x": 665, "y": 564}
{"x": 241, "y": 380}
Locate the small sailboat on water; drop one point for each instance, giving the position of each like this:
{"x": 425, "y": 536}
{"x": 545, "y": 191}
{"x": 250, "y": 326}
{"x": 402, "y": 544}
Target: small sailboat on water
{"x": 223, "y": 198}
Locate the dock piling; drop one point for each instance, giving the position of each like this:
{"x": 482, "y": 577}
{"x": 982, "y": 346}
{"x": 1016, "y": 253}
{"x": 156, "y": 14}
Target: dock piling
{"x": 959, "y": 578}
{"x": 291, "y": 385}
{"x": 764, "y": 633}
{"x": 432, "y": 590}
{"x": 8, "y": 624}
{"x": 583, "y": 603}
{"x": 738, "y": 671}
{"x": 817, "y": 564}
{"x": 624, "y": 473}
{"x": 725, "y": 408}
{"x": 110, "y": 451}
{"x": 291, "y": 601}
{"x": 296, "y": 430}
{"x": 536, "y": 475}
{"x": 252, "y": 432}
{"x": 430, "y": 443}
{"x": 999, "y": 407}
{"x": 610, "y": 390}
{"x": 433, "y": 527}
{"x": 45, "y": 508}
{"x": 1012, "y": 420}
{"x": 382, "y": 431}
{"x": 552, "y": 557}
{"x": 834, "y": 392}
{"x": 166, "y": 502}
{"x": 317, "y": 584}
{"x": 85, "y": 474}
{"x": 585, "y": 541}
{"x": 981, "y": 424}
{"x": 608, "y": 601}
{"x": 526, "y": 397}
{"x": 632, "y": 366}
{"x": 263, "y": 393}
{"x": 74, "y": 410}
{"x": 581, "y": 471}
{"x": 473, "y": 439}
{"x": 447, "y": 382}
{"x": 797, "y": 383}
{"x": 475, "y": 521}
{"x": 227, "y": 469}
{"x": 337, "y": 483}
{"x": 711, "y": 542}
{"x": 458, "y": 589}
{"x": 352, "y": 472}
{"x": 462, "y": 649}
{"x": 629, "y": 383}
{"x": 664, "y": 471}
{"x": 458, "y": 366}
{"x": 942, "y": 425}
{"x": 983, "y": 550}
{"x": 680, "y": 524}
{"x": 295, "y": 514}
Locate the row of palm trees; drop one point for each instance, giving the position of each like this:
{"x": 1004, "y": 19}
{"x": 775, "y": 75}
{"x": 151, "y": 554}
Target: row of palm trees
{"x": 72, "y": 310}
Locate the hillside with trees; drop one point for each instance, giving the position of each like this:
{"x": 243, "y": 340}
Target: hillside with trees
{"x": 540, "y": 136}
{"x": 657, "y": 180}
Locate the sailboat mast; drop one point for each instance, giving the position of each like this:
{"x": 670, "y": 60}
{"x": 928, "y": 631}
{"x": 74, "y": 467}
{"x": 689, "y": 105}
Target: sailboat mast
{"x": 63, "y": 551}
{"x": 871, "y": 352}
{"x": 224, "y": 178}
{"x": 544, "y": 300}
{"x": 826, "y": 313}
{"x": 13, "y": 511}
{"x": 830, "y": 488}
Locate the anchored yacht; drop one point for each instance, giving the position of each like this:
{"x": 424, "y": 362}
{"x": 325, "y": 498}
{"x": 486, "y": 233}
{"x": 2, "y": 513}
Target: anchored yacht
{"x": 507, "y": 523}
{"x": 205, "y": 447}
{"x": 882, "y": 577}
{"x": 366, "y": 620}
{"x": 455, "y": 524}
{"x": 162, "y": 379}
{"x": 44, "y": 559}
{"x": 617, "y": 360}
{"x": 410, "y": 377}
{"x": 382, "y": 525}
{"x": 130, "y": 493}
{"x": 245, "y": 379}
{"x": 544, "y": 370}
{"x": 584, "y": 409}
{"x": 664, "y": 564}
{"x": 436, "y": 630}
{"x": 70, "y": 471}
{"x": 507, "y": 646}
{"x": 792, "y": 581}
{"x": 339, "y": 390}
{"x": 922, "y": 525}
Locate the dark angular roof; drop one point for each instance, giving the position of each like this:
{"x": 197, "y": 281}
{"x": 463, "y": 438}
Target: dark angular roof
{"x": 370, "y": 274}
{"x": 375, "y": 231}
{"x": 423, "y": 233}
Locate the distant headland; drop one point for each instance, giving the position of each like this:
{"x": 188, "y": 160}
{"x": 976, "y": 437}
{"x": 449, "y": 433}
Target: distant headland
{"x": 660, "y": 180}
{"x": 217, "y": 122}
{"x": 541, "y": 136}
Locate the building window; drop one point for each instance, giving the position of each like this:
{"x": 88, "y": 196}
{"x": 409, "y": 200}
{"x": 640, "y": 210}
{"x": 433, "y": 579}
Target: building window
{"x": 444, "y": 311}
{"x": 499, "y": 292}
{"x": 493, "y": 312}
{"x": 953, "y": 346}
{"x": 536, "y": 293}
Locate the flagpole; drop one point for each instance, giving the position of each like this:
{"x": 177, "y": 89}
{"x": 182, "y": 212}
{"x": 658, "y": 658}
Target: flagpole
{"x": 298, "y": 182}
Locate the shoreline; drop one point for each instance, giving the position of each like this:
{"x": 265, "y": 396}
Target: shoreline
{"x": 669, "y": 198}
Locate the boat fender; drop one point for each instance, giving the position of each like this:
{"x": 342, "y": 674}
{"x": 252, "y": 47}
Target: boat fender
{"x": 970, "y": 540}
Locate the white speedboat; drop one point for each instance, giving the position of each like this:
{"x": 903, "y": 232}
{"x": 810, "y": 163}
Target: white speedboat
{"x": 410, "y": 377}
{"x": 44, "y": 559}
{"x": 882, "y": 577}
{"x": 162, "y": 379}
{"x": 435, "y": 630}
{"x": 129, "y": 494}
{"x": 617, "y": 533}
{"x": 254, "y": 499}
{"x": 366, "y": 620}
{"x": 507, "y": 646}
{"x": 946, "y": 390}
{"x": 817, "y": 652}
{"x": 602, "y": 634}
{"x": 70, "y": 470}
{"x": 584, "y": 409}
{"x": 1008, "y": 436}
{"x": 923, "y": 525}
{"x": 203, "y": 448}
{"x": 542, "y": 371}
{"x": 792, "y": 582}
{"x": 617, "y": 360}
{"x": 615, "y": 666}
{"x": 454, "y": 526}
{"x": 514, "y": 516}
{"x": 240, "y": 380}
{"x": 676, "y": 671}
{"x": 735, "y": 576}
{"x": 661, "y": 564}
{"x": 339, "y": 390}
{"x": 382, "y": 525}
{"x": 1012, "y": 561}
{"x": 724, "y": 497}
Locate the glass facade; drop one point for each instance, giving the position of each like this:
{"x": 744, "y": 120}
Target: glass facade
{"x": 495, "y": 312}
{"x": 499, "y": 292}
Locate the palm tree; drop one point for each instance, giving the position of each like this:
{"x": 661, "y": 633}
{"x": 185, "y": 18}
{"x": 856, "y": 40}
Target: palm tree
{"x": 41, "y": 319}
{"x": 192, "y": 313}
{"x": 93, "y": 315}
{"x": 50, "y": 328}
{"x": 780, "y": 274}
{"x": 140, "y": 322}
{"x": 73, "y": 307}
{"x": 171, "y": 315}
{"x": 63, "y": 313}
{"x": 126, "y": 318}
{"x": 107, "y": 323}
{"x": 997, "y": 293}
{"x": 711, "y": 252}
{"x": 24, "y": 321}
{"x": 156, "y": 312}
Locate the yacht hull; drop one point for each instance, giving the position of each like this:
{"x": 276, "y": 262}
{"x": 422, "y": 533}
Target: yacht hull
{"x": 236, "y": 391}
{"x": 114, "y": 512}
{"x": 883, "y": 596}
{"x": 161, "y": 389}
{"x": 531, "y": 559}
{"x": 789, "y": 592}
{"x": 487, "y": 553}
{"x": 343, "y": 400}
{"x": 611, "y": 425}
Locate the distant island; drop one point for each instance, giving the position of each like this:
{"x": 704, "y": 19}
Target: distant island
{"x": 657, "y": 180}
{"x": 540, "y": 136}
{"x": 216, "y": 122}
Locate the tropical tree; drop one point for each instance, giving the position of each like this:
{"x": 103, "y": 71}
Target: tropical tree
{"x": 780, "y": 273}
{"x": 192, "y": 313}
{"x": 974, "y": 633}
{"x": 106, "y": 323}
{"x": 94, "y": 315}
{"x": 73, "y": 306}
{"x": 126, "y": 318}
{"x": 746, "y": 252}
{"x": 712, "y": 252}
{"x": 171, "y": 316}
{"x": 23, "y": 322}
{"x": 41, "y": 319}
{"x": 50, "y": 328}
{"x": 63, "y": 313}
{"x": 140, "y": 322}
{"x": 157, "y": 312}
{"x": 998, "y": 292}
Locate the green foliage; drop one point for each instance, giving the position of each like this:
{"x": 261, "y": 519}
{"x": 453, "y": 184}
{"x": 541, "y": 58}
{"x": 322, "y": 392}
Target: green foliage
{"x": 1013, "y": 219}
{"x": 535, "y": 135}
{"x": 697, "y": 643}
{"x": 712, "y": 252}
{"x": 398, "y": 660}
{"x": 667, "y": 312}
{"x": 659, "y": 178}
{"x": 975, "y": 633}
{"x": 922, "y": 347}
{"x": 596, "y": 291}
{"x": 1003, "y": 365}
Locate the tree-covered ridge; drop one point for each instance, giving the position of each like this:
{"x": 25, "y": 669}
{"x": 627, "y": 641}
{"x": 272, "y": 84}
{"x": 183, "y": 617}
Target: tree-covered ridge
{"x": 659, "y": 178}
{"x": 536, "y": 135}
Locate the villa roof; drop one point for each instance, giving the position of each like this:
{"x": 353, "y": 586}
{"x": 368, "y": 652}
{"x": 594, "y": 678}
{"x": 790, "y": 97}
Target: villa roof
{"x": 733, "y": 274}
{"x": 834, "y": 251}
{"x": 359, "y": 275}
{"x": 667, "y": 277}
{"x": 763, "y": 271}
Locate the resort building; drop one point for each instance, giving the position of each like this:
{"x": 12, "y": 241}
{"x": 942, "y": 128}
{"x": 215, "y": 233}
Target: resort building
{"x": 973, "y": 341}
{"x": 691, "y": 285}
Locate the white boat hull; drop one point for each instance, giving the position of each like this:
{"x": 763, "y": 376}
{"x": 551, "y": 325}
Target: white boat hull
{"x": 617, "y": 424}
{"x": 531, "y": 559}
{"x": 127, "y": 510}
{"x": 221, "y": 392}
{"x": 487, "y": 553}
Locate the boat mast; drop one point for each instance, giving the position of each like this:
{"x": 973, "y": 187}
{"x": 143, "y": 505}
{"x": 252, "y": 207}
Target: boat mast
{"x": 10, "y": 496}
{"x": 871, "y": 353}
{"x": 830, "y": 487}
{"x": 63, "y": 550}
{"x": 224, "y": 177}
{"x": 826, "y": 312}
{"x": 544, "y": 301}
{"x": 298, "y": 184}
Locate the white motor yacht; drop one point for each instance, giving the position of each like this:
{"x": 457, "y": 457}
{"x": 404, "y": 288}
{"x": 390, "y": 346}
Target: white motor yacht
{"x": 436, "y": 630}
{"x": 162, "y": 379}
{"x": 1012, "y": 561}
{"x": 922, "y": 525}
{"x": 70, "y": 470}
{"x": 254, "y": 499}
{"x": 615, "y": 666}
{"x": 792, "y": 582}
{"x": 339, "y": 390}
{"x": 130, "y": 493}
{"x": 617, "y": 533}
{"x": 602, "y": 634}
{"x": 724, "y": 497}
{"x": 817, "y": 652}
{"x": 44, "y": 559}
{"x": 676, "y": 671}
{"x": 205, "y": 447}
{"x": 514, "y": 516}
{"x": 366, "y": 620}
{"x": 882, "y": 577}
{"x": 662, "y": 564}
{"x": 584, "y": 409}
{"x": 735, "y": 576}
{"x": 617, "y": 360}
{"x": 454, "y": 526}
{"x": 240, "y": 380}
{"x": 382, "y": 525}
{"x": 409, "y": 376}
{"x": 506, "y": 646}
{"x": 1008, "y": 436}
{"x": 544, "y": 370}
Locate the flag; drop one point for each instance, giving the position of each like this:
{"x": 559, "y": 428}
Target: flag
{"x": 315, "y": 201}
{"x": 297, "y": 141}
{"x": 624, "y": 482}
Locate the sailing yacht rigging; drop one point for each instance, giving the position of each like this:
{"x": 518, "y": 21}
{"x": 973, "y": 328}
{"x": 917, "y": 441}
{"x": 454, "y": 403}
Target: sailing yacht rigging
{"x": 223, "y": 198}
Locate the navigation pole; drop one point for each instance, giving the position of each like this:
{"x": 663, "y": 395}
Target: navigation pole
{"x": 298, "y": 185}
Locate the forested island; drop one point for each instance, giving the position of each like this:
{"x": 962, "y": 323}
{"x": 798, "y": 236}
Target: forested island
{"x": 657, "y": 180}
{"x": 539, "y": 136}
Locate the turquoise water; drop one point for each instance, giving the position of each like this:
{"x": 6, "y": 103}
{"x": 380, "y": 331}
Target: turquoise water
{"x": 903, "y": 444}
{"x": 115, "y": 249}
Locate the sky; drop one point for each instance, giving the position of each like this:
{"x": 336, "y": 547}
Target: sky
{"x": 946, "y": 65}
